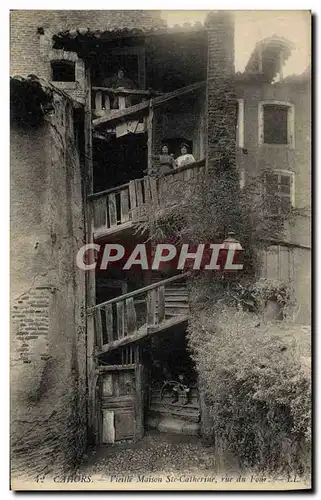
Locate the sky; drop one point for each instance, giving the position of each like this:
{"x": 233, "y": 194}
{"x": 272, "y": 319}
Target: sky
{"x": 253, "y": 25}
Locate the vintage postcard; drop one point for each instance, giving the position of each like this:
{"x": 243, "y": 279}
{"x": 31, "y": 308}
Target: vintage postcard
{"x": 160, "y": 250}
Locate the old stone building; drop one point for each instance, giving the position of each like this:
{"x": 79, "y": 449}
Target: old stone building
{"x": 84, "y": 353}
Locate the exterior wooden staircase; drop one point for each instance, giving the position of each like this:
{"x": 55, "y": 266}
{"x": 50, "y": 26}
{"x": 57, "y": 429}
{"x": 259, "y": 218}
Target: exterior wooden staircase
{"x": 135, "y": 315}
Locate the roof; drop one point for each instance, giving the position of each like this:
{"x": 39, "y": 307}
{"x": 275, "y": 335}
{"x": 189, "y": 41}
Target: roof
{"x": 31, "y": 98}
{"x": 40, "y": 86}
{"x": 86, "y": 34}
{"x": 273, "y": 52}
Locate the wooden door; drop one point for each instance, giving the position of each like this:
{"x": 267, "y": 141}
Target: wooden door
{"x": 121, "y": 403}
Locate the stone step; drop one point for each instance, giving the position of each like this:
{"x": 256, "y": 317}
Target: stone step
{"x": 174, "y": 426}
{"x": 188, "y": 415}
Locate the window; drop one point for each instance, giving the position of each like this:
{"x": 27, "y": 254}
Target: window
{"x": 63, "y": 71}
{"x": 279, "y": 188}
{"x": 276, "y": 123}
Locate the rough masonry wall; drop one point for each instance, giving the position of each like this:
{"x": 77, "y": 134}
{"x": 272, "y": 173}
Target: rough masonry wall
{"x": 28, "y": 55}
{"x": 220, "y": 90}
{"x": 48, "y": 349}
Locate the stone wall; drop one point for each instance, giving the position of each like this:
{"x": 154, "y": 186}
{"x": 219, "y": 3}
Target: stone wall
{"x": 28, "y": 55}
{"x": 48, "y": 348}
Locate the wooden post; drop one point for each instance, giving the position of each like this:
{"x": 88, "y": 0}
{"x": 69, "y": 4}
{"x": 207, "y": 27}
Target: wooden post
{"x": 90, "y": 275}
{"x": 161, "y": 304}
{"x": 98, "y": 100}
{"x": 151, "y": 307}
{"x": 149, "y": 128}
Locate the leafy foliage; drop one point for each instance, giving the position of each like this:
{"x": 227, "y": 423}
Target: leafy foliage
{"x": 254, "y": 386}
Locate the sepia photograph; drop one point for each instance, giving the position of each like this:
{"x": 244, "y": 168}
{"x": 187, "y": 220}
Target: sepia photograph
{"x": 160, "y": 250}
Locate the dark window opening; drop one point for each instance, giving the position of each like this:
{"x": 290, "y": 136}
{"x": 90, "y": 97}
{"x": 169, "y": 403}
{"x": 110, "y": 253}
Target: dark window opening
{"x": 275, "y": 126}
{"x": 278, "y": 189}
{"x": 63, "y": 71}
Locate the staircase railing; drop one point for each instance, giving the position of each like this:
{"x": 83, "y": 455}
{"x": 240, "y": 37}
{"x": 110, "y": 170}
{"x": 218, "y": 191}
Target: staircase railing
{"x": 105, "y": 99}
{"x": 127, "y": 318}
{"x": 121, "y": 204}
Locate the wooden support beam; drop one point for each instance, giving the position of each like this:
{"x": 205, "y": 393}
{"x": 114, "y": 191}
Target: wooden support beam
{"x": 143, "y": 106}
{"x": 111, "y": 368}
{"x": 144, "y": 332}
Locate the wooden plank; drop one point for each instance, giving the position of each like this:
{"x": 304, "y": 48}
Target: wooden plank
{"x": 147, "y": 190}
{"x": 145, "y": 332}
{"x": 139, "y": 192}
{"x": 121, "y": 113}
{"x": 98, "y": 329}
{"x": 109, "y": 322}
{"x": 153, "y": 189}
{"x": 108, "y": 436}
{"x": 149, "y": 128}
{"x": 120, "y": 320}
{"x": 161, "y": 190}
{"x": 131, "y": 316}
{"x": 115, "y": 189}
{"x": 124, "y": 424}
{"x": 112, "y": 209}
{"x": 121, "y": 102}
{"x": 140, "y": 291}
{"x": 139, "y": 403}
{"x": 98, "y": 100}
{"x": 132, "y": 195}
{"x": 107, "y": 102}
{"x": 161, "y": 304}
{"x": 151, "y": 307}
{"x": 110, "y": 368}
{"x": 100, "y": 212}
{"x": 140, "y": 92}
{"x": 124, "y": 205}
{"x": 157, "y": 101}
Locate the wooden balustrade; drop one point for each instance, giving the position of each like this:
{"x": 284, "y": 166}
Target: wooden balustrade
{"x": 127, "y": 203}
{"x": 105, "y": 99}
{"x": 127, "y": 318}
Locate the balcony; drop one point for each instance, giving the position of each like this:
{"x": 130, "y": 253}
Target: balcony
{"x": 120, "y": 208}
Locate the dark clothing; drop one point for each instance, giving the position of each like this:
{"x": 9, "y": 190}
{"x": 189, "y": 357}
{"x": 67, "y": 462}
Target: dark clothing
{"x": 167, "y": 163}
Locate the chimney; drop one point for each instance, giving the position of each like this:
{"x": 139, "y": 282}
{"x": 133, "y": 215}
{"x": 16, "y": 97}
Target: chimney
{"x": 220, "y": 93}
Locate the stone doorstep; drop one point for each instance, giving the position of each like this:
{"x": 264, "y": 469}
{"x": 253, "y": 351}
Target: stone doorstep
{"x": 174, "y": 426}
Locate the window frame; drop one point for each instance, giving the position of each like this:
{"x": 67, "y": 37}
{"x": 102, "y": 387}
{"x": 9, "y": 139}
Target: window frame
{"x": 280, "y": 172}
{"x": 290, "y": 123}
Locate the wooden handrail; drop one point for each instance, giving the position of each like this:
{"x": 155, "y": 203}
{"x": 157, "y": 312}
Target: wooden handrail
{"x": 198, "y": 163}
{"x": 124, "y": 91}
{"x": 139, "y": 291}
{"x": 108, "y": 191}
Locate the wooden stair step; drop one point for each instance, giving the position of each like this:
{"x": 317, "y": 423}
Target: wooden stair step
{"x": 176, "y": 298}
{"x": 175, "y": 291}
